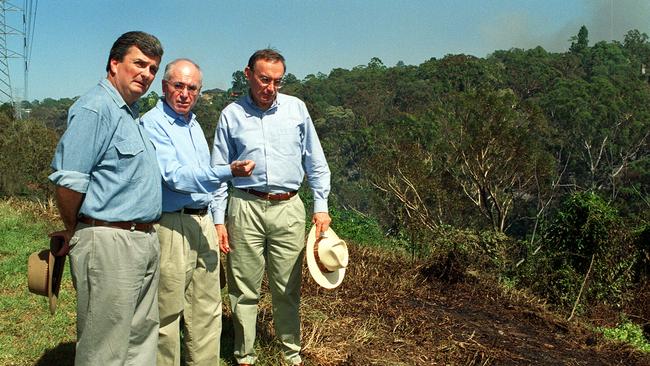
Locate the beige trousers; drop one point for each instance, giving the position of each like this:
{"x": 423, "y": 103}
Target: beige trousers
{"x": 265, "y": 234}
{"x": 115, "y": 273}
{"x": 189, "y": 289}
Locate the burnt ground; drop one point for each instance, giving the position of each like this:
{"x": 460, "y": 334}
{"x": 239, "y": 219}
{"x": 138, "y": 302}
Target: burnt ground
{"x": 392, "y": 311}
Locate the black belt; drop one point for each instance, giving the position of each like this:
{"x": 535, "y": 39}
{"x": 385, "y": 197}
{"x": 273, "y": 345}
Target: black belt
{"x": 126, "y": 225}
{"x": 270, "y": 196}
{"x": 193, "y": 211}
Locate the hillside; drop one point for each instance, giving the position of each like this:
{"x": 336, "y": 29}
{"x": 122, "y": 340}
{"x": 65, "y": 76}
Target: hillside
{"x": 520, "y": 180}
{"x": 389, "y": 311}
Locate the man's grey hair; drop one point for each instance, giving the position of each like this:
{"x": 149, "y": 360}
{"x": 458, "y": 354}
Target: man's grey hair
{"x": 170, "y": 66}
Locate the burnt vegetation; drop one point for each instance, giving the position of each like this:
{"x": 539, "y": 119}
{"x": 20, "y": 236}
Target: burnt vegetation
{"x": 497, "y": 208}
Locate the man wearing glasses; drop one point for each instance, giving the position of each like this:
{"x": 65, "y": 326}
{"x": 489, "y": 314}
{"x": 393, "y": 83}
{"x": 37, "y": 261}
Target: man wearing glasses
{"x": 266, "y": 218}
{"x": 189, "y": 260}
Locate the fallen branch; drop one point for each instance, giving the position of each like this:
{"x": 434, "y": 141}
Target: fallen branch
{"x": 582, "y": 287}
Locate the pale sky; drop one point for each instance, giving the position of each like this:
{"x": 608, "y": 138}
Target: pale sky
{"x": 72, "y": 38}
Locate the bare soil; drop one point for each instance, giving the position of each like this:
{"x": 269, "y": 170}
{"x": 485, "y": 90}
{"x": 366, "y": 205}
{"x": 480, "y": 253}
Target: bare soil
{"x": 394, "y": 311}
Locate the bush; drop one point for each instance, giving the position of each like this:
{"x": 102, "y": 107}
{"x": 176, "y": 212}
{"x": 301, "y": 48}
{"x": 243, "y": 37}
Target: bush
{"x": 356, "y": 227}
{"x": 26, "y": 150}
{"x": 586, "y": 241}
{"x": 457, "y": 252}
{"x": 627, "y": 332}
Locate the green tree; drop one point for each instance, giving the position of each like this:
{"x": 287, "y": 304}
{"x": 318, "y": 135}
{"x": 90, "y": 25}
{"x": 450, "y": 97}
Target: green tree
{"x": 147, "y": 102}
{"x": 492, "y": 146}
{"x": 637, "y": 44}
{"x": 239, "y": 82}
{"x": 529, "y": 73}
{"x": 580, "y": 42}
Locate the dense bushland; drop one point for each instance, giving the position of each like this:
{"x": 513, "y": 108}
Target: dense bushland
{"x": 526, "y": 165}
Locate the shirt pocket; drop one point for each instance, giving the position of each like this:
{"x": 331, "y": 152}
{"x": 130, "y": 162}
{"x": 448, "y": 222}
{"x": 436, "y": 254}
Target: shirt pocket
{"x": 130, "y": 160}
{"x": 287, "y": 140}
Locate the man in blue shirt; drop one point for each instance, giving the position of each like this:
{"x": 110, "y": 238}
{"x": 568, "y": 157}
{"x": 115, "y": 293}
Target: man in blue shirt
{"x": 189, "y": 260}
{"x": 266, "y": 218}
{"x": 108, "y": 193}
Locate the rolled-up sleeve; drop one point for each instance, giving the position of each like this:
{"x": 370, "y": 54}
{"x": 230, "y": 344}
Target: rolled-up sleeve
{"x": 70, "y": 179}
{"x": 74, "y": 160}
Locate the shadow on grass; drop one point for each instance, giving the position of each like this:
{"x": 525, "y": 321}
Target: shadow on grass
{"x": 268, "y": 348}
{"x": 61, "y": 355}
{"x": 227, "y": 340}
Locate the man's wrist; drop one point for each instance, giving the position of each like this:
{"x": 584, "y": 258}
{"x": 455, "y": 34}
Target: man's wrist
{"x": 320, "y": 206}
{"x": 224, "y": 172}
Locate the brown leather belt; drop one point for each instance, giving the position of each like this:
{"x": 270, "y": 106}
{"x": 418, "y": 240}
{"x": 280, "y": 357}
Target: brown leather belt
{"x": 193, "y": 211}
{"x": 269, "y": 196}
{"x": 126, "y": 225}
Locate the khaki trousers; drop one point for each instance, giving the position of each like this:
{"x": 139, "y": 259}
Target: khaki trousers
{"x": 189, "y": 288}
{"x": 265, "y": 234}
{"x": 115, "y": 273}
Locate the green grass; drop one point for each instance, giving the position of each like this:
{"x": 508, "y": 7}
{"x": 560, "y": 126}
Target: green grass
{"x": 627, "y": 332}
{"x": 28, "y": 333}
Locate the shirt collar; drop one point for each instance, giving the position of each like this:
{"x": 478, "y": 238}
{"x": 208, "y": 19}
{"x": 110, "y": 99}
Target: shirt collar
{"x": 171, "y": 114}
{"x": 117, "y": 98}
{"x": 271, "y": 109}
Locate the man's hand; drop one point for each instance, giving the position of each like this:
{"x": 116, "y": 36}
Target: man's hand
{"x": 322, "y": 222}
{"x": 222, "y": 234}
{"x": 242, "y": 168}
{"x": 60, "y": 249}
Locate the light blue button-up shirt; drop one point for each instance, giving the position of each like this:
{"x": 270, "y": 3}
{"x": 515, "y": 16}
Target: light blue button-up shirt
{"x": 106, "y": 154}
{"x": 283, "y": 143}
{"x": 183, "y": 158}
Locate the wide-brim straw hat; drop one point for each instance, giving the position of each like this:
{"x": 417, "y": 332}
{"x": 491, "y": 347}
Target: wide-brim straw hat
{"x": 327, "y": 258}
{"x": 44, "y": 272}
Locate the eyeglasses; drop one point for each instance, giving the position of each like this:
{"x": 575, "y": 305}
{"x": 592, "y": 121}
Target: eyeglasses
{"x": 179, "y": 87}
{"x": 266, "y": 81}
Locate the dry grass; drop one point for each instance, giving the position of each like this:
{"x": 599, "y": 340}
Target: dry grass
{"x": 388, "y": 311}
{"x": 39, "y": 210}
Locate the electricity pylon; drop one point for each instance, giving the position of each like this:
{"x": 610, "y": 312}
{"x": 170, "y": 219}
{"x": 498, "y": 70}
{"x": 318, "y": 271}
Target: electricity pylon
{"x": 6, "y": 53}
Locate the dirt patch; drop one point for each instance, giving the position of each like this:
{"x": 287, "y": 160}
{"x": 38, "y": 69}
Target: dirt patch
{"x": 389, "y": 311}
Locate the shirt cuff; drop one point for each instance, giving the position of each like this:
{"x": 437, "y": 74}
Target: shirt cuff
{"x": 75, "y": 181}
{"x": 223, "y": 172}
{"x": 218, "y": 216}
{"x": 320, "y": 205}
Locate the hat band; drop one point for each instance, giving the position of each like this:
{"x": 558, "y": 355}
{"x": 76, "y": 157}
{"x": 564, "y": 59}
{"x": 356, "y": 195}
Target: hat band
{"x": 320, "y": 265}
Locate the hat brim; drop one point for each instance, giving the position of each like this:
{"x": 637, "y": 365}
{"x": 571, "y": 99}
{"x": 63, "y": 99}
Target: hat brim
{"x": 38, "y": 273}
{"x": 44, "y": 275}
{"x": 56, "y": 265}
{"x": 328, "y": 280}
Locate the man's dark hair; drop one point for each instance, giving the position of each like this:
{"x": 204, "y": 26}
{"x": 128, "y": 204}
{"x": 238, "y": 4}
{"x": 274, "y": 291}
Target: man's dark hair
{"x": 147, "y": 43}
{"x": 267, "y": 54}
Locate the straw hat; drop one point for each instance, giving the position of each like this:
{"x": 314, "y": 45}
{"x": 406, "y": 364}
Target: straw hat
{"x": 327, "y": 258}
{"x": 44, "y": 272}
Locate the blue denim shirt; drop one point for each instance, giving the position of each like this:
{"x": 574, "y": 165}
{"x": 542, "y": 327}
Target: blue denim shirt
{"x": 183, "y": 159}
{"x": 106, "y": 154}
{"x": 283, "y": 143}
